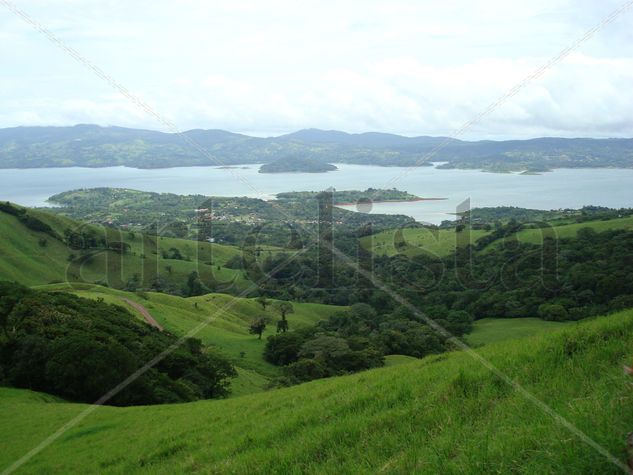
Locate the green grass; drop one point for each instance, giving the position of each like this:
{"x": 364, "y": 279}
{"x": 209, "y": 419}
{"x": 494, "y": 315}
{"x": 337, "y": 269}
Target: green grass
{"x": 413, "y": 241}
{"x": 23, "y": 259}
{"x": 395, "y": 360}
{"x": 491, "y": 330}
{"x": 228, "y": 319}
{"x": 442, "y": 414}
{"x": 536, "y": 236}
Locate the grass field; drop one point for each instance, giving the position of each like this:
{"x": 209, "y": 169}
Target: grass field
{"x": 23, "y": 259}
{"x": 491, "y": 330}
{"x": 536, "y": 236}
{"x": 228, "y": 319}
{"x": 413, "y": 241}
{"x": 395, "y": 360}
{"x": 442, "y": 414}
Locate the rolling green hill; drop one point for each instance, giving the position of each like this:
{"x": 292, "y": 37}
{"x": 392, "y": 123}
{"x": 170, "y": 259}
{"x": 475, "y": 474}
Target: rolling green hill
{"x": 228, "y": 319}
{"x": 442, "y": 242}
{"x": 536, "y": 236}
{"x": 442, "y": 414}
{"x": 412, "y": 241}
{"x": 33, "y": 257}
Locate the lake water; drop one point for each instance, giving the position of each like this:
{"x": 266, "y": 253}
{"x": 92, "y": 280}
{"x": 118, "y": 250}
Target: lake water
{"x": 563, "y": 188}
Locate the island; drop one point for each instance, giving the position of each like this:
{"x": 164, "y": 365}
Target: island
{"x": 297, "y": 165}
{"x": 350, "y": 197}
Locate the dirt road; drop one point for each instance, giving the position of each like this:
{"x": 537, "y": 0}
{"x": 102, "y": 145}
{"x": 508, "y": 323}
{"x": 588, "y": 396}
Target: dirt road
{"x": 146, "y": 315}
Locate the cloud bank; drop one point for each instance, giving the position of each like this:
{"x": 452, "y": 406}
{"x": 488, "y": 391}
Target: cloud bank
{"x": 408, "y": 67}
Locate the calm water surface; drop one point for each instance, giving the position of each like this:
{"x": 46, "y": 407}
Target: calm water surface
{"x": 564, "y": 188}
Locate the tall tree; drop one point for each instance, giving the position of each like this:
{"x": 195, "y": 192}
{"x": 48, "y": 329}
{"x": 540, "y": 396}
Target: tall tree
{"x": 284, "y": 308}
{"x": 257, "y": 327}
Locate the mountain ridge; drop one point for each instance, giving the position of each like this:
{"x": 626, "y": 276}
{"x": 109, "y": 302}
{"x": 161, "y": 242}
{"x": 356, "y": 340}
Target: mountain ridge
{"x": 90, "y": 145}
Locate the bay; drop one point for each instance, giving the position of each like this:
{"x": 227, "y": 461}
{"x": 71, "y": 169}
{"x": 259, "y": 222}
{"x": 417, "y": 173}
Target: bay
{"x": 562, "y": 188}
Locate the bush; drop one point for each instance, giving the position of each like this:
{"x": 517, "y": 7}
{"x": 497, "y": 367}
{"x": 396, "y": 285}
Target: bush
{"x": 553, "y": 312}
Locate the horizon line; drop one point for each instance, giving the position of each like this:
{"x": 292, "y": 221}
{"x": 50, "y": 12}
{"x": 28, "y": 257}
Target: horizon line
{"x": 269, "y": 135}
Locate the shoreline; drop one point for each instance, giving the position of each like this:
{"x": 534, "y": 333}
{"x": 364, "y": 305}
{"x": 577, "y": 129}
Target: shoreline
{"x": 351, "y": 203}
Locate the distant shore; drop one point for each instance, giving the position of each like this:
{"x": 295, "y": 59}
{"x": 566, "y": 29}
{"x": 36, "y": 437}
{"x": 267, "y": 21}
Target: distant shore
{"x": 390, "y": 201}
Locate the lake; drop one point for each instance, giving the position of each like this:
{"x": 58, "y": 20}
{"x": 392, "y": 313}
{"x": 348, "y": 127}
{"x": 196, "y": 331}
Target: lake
{"x": 562, "y": 188}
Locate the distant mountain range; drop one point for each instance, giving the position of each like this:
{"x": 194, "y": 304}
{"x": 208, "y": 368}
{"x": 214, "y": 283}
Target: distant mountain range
{"x": 95, "y": 146}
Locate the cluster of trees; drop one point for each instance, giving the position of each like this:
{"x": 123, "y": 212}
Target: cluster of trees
{"x": 80, "y": 349}
{"x": 356, "y": 340}
{"x": 258, "y": 324}
{"x": 564, "y": 279}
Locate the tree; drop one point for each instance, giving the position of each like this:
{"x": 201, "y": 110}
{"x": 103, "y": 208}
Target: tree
{"x": 194, "y": 286}
{"x": 553, "y": 312}
{"x": 284, "y": 348}
{"x": 257, "y": 327}
{"x": 263, "y": 301}
{"x": 284, "y": 308}
{"x": 282, "y": 326}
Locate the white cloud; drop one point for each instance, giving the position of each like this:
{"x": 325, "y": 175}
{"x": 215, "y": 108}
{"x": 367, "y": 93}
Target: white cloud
{"x": 271, "y": 67}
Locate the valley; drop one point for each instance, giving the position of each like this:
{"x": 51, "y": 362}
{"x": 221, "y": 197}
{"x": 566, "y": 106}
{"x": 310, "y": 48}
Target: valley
{"x": 426, "y": 416}
{"x": 321, "y": 238}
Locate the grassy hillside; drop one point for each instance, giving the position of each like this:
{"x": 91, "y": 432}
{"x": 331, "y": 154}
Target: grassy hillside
{"x": 535, "y": 236}
{"x": 35, "y": 258}
{"x": 442, "y": 414}
{"x": 228, "y": 319}
{"x": 492, "y": 330}
{"x": 412, "y": 241}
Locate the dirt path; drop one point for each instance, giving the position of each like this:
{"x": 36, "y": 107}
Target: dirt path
{"x": 146, "y": 315}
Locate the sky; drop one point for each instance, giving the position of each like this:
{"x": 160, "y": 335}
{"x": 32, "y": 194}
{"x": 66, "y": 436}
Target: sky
{"x": 268, "y": 67}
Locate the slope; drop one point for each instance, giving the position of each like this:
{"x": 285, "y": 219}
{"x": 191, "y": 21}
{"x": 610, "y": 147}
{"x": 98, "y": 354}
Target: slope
{"x": 442, "y": 242}
{"x": 227, "y": 321}
{"x": 442, "y": 414}
{"x": 33, "y": 257}
{"x": 413, "y": 241}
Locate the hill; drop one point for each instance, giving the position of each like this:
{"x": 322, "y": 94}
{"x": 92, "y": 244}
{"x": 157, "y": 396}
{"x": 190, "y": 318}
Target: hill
{"x": 94, "y": 146}
{"x": 442, "y": 414}
{"x": 81, "y": 349}
{"x": 121, "y": 259}
{"x": 443, "y": 241}
{"x": 414, "y": 241}
{"x": 226, "y": 321}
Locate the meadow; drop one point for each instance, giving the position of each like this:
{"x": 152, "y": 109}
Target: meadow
{"x": 442, "y": 242}
{"x": 442, "y": 414}
{"x": 492, "y": 330}
{"x": 413, "y": 241}
{"x": 36, "y": 258}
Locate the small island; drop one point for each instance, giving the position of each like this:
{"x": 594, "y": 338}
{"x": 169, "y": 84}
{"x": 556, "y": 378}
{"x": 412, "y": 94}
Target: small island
{"x": 297, "y": 165}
